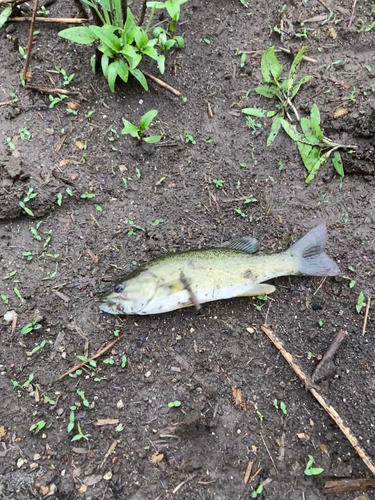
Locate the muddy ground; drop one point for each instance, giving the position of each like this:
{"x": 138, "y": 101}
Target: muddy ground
{"x": 205, "y": 445}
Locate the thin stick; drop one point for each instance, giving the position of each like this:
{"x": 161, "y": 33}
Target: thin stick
{"x": 269, "y": 453}
{"x": 5, "y": 103}
{"x": 345, "y": 485}
{"x": 324, "y": 5}
{"x": 304, "y": 58}
{"x": 97, "y": 355}
{"x": 191, "y": 293}
{"x": 30, "y": 41}
{"x": 320, "y": 286}
{"x": 143, "y": 12}
{"x": 352, "y": 16}
{"x": 184, "y": 482}
{"x": 162, "y": 84}
{"x": 329, "y": 355}
{"x": 67, "y": 20}
{"x": 51, "y": 90}
{"x": 366, "y": 316}
{"x": 329, "y": 409}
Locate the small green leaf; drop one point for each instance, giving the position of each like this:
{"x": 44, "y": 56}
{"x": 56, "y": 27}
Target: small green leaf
{"x": 315, "y": 122}
{"x": 146, "y": 119}
{"x": 153, "y": 139}
{"x": 259, "y": 113}
{"x": 112, "y": 75}
{"x": 317, "y": 165}
{"x": 270, "y": 91}
{"x": 337, "y": 163}
{"x": 275, "y": 127}
{"x": 270, "y": 67}
{"x": 295, "y": 67}
{"x": 138, "y": 75}
{"x": 59, "y": 199}
{"x": 79, "y": 34}
{"x": 129, "y": 128}
{"x": 360, "y": 302}
{"x": 122, "y": 69}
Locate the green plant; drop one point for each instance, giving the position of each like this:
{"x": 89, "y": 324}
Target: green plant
{"x": 38, "y": 426}
{"x": 139, "y": 130}
{"x": 166, "y": 41}
{"x": 122, "y": 43}
{"x": 314, "y": 148}
{"x": 124, "y": 361}
{"x": 218, "y": 183}
{"x": 189, "y": 137}
{"x": 33, "y": 325}
{"x": 174, "y": 404}
{"x": 257, "y": 492}
{"x": 24, "y": 134}
{"x": 66, "y": 78}
{"x": 360, "y": 302}
{"x": 81, "y": 394}
{"x": 36, "y": 348}
{"x": 80, "y": 434}
{"x": 25, "y": 384}
{"x": 312, "y": 471}
{"x": 282, "y": 406}
{"x": 55, "y": 100}
{"x": 29, "y": 196}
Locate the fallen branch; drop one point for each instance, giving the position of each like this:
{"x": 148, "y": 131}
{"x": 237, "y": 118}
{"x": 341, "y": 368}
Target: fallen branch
{"x": 51, "y": 90}
{"x": 30, "y": 41}
{"x": 345, "y": 485}
{"x": 162, "y": 84}
{"x": 329, "y": 409}
{"x": 65, "y": 20}
{"x": 97, "y": 355}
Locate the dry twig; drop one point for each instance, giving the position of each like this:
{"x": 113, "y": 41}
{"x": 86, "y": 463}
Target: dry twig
{"x": 366, "y": 316}
{"x": 352, "y": 16}
{"x": 64, "y": 20}
{"x": 327, "y": 359}
{"x": 345, "y": 485}
{"x": 97, "y": 355}
{"x": 162, "y": 84}
{"x": 51, "y": 90}
{"x": 329, "y": 409}
{"x": 30, "y": 41}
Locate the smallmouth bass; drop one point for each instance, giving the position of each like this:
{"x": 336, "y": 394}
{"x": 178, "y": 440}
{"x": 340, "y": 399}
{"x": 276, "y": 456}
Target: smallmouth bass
{"x": 194, "y": 277}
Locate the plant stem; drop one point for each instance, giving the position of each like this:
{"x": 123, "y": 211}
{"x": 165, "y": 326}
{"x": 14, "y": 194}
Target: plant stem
{"x": 143, "y": 13}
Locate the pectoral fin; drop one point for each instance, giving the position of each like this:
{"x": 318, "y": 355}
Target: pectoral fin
{"x": 258, "y": 289}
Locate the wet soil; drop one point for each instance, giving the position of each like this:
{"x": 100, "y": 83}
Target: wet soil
{"x": 202, "y": 448}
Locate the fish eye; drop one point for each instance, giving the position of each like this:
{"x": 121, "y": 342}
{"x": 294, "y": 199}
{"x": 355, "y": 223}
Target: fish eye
{"x": 119, "y": 288}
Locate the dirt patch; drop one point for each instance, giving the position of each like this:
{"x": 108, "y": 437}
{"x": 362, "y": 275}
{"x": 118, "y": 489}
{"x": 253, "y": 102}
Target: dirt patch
{"x": 81, "y": 246}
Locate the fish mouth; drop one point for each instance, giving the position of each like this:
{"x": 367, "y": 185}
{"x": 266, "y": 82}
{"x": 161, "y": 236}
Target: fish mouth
{"x": 114, "y": 304}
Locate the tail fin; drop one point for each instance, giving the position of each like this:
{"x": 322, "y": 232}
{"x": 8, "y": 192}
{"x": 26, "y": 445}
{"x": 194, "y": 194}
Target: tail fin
{"x": 309, "y": 254}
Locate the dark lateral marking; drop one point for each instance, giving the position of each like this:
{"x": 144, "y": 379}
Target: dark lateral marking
{"x": 187, "y": 287}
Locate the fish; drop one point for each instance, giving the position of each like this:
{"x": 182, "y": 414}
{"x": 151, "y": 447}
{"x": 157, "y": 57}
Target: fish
{"x": 194, "y": 277}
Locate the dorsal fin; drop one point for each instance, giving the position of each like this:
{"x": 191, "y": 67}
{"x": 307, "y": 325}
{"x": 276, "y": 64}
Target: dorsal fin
{"x": 245, "y": 244}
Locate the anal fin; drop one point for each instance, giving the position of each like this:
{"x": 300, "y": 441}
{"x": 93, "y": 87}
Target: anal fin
{"x": 258, "y": 289}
